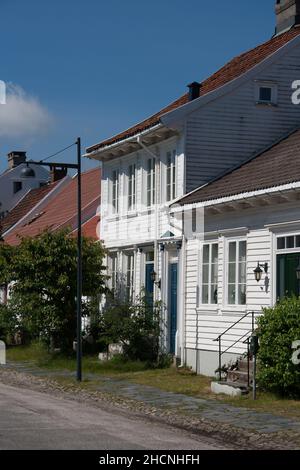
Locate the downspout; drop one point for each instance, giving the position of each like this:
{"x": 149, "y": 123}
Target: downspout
{"x": 156, "y": 221}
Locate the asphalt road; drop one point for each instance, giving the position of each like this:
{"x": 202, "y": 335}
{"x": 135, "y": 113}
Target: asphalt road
{"x": 34, "y": 420}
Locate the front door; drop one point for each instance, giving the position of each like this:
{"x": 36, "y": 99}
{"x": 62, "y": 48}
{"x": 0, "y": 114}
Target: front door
{"x": 287, "y": 282}
{"x": 173, "y": 306}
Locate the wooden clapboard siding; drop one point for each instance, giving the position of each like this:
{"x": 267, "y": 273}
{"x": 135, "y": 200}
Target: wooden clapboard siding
{"x": 232, "y": 128}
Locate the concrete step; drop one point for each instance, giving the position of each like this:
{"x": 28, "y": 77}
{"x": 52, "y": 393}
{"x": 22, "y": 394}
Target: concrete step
{"x": 240, "y": 376}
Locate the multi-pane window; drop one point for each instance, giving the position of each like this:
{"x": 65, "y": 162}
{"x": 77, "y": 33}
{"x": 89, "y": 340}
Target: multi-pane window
{"x": 131, "y": 187}
{"x": 115, "y": 190}
{"x": 171, "y": 176}
{"x": 288, "y": 243}
{"x": 113, "y": 263}
{"x": 210, "y": 274}
{"x": 129, "y": 275}
{"x": 150, "y": 182}
{"x": 236, "y": 273}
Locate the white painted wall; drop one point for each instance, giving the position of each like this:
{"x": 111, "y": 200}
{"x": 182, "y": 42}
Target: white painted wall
{"x": 203, "y": 324}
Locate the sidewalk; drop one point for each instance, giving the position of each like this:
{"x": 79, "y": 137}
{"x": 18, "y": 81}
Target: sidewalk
{"x": 200, "y": 409}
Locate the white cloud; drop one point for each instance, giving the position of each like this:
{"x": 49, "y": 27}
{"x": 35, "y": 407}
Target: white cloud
{"x": 22, "y": 115}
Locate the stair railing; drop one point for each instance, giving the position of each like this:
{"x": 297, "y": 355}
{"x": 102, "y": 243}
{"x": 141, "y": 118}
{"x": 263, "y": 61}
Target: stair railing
{"x": 247, "y": 340}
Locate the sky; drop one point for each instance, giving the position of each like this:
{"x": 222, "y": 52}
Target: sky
{"x": 93, "y": 68}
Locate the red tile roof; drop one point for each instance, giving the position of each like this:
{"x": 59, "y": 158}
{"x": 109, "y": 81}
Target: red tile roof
{"x": 274, "y": 167}
{"x": 232, "y": 70}
{"x": 90, "y": 229}
{"x": 29, "y": 201}
{"x": 61, "y": 210}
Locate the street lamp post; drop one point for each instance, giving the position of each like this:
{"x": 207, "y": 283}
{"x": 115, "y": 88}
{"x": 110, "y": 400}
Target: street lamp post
{"x": 26, "y": 173}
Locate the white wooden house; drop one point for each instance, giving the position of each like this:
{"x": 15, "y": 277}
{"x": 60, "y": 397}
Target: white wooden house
{"x": 251, "y": 220}
{"x": 228, "y": 118}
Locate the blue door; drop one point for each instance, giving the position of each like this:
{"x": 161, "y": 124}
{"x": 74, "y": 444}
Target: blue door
{"x": 149, "y": 284}
{"x": 173, "y": 306}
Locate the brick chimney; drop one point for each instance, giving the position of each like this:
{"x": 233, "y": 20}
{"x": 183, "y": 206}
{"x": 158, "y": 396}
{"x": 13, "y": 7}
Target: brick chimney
{"x": 194, "y": 90}
{"x": 16, "y": 158}
{"x": 287, "y": 14}
{"x": 57, "y": 173}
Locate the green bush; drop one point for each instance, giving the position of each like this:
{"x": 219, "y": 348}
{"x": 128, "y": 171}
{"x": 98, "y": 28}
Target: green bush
{"x": 137, "y": 326}
{"x": 279, "y": 327}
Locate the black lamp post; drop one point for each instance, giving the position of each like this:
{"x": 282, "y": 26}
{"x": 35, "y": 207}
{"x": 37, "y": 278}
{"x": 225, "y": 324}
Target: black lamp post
{"x": 28, "y": 172}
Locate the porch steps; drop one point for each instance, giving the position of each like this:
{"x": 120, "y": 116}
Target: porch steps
{"x": 236, "y": 382}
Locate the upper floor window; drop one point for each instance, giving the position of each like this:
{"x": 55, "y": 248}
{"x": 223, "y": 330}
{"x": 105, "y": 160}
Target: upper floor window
{"x": 209, "y": 290}
{"x": 131, "y": 187}
{"x": 150, "y": 182}
{"x": 171, "y": 176}
{"x": 266, "y": 93}
{"x": 236, "y": 273}
{"x": 115, "y": 190}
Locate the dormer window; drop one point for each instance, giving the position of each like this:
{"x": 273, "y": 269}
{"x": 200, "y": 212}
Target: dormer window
{"x": 266, "y": 93}
{"x": 17, "y": 186}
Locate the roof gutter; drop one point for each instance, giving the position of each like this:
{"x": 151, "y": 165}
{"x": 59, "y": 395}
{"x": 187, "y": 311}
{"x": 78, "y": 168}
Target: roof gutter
{"x": 237, "y": 197}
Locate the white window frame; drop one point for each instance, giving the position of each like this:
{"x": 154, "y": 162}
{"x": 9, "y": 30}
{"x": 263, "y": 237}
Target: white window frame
{"x": 226, "y": 286}
{"x": 210, "y": 303}
{"x": 113, "y": 270}
{"x": 130, "y": 273}
{"x": 115, "y": 190}
{"x": 172, "y": 168}
{"x": 131, "y": 195}
{"x": 150, "y": 177}
{"x": 274, "y": 93}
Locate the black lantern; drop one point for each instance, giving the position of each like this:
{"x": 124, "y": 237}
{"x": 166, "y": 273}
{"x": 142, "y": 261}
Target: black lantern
{"x": 258, "y": 273}
{"x": 153, "y": 279}
{"x": 298, "y": 270}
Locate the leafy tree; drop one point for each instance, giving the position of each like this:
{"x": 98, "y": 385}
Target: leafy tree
{"x": 43, "y": 294}
{"x": 279, "y": 327}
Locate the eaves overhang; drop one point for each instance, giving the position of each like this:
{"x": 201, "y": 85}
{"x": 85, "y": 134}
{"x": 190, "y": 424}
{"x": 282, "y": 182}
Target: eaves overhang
{"x": 151, "y": 136}
{"x": 252, "y": 199}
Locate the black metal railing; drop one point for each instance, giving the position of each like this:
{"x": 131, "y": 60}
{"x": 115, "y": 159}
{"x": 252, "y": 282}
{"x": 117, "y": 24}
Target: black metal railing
{"x": 246, "y": 341}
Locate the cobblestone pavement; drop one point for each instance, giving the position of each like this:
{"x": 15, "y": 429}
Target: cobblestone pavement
{"x": 208, "y": 409}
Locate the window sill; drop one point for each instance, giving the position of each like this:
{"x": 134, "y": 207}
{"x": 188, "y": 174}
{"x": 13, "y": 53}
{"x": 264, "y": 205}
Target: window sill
{"x": 265, "y": 104}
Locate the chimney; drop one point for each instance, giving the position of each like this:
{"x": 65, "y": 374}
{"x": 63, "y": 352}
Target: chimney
{"x": 57, "y": 173}
{"x": 287, "y": 14}
{"x": 16, "y": 158}
{"x": 194, "y": 90}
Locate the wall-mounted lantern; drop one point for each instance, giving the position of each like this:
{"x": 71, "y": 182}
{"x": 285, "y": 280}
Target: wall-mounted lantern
{"x": 153, "y": 279}
{"x": 258, "y": 272}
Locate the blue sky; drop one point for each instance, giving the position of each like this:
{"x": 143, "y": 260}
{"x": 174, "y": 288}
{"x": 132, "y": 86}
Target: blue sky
{"x": 92, "y": 68}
